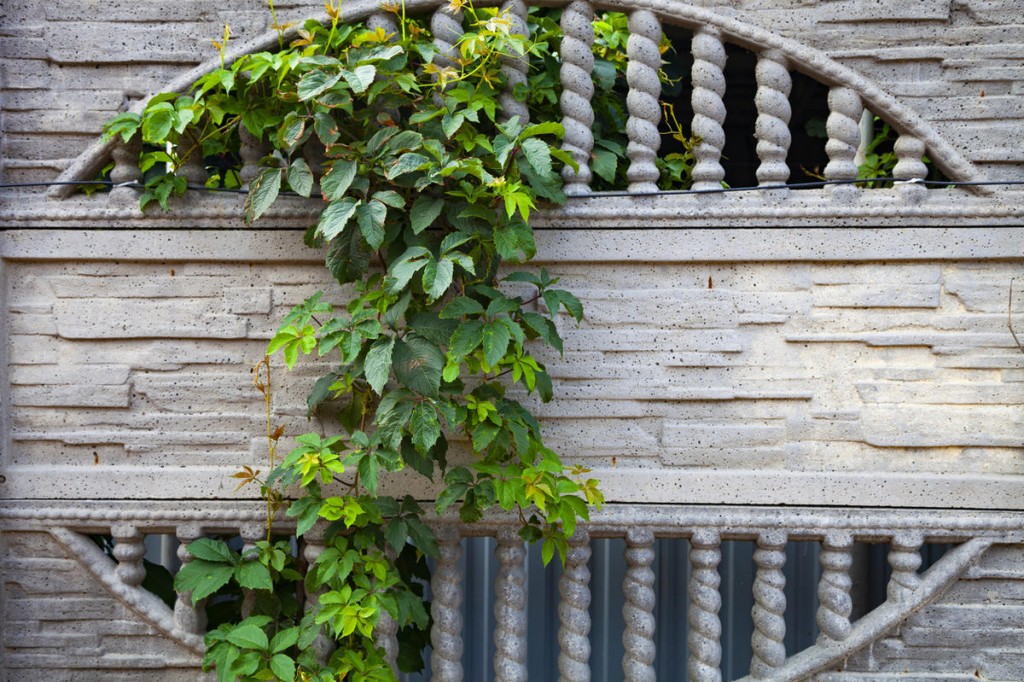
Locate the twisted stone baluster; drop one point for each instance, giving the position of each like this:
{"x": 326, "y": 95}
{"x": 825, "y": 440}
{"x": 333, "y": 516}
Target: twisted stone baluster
{"x": 125, "y": 156}
{"x": 574, "y": 611}
{"x": 642, "y": 100}
{"x": 446, "y": 609}
{"x": 313, "y": 547}
{"x": 708, "y": 109}
{"x": 385, "y": 635}
{"x": 577, "y": 91}
{"x": 384, "y": 20}
{"x": 447, "y": 29}
{"x": 251, "y": 534}
{"x": 516, "y": 67}
{"x": 510, "y": 608}
{"x": 909, "y": 166}
{"x": 769, "y": 612}
{"x": 129, "y": 551}
{"x": 188, "y": 619}
{"x": 773, "y": 112}
{"x": 251, "y": 149}
{"x": 638, "y": 609}
{"x": 905, "y": 559}
{"x": 194, "y": 168}
{"x": 843, "y": 128}
{"x": 834, "y": 587}
{"x": 705, "y": 625}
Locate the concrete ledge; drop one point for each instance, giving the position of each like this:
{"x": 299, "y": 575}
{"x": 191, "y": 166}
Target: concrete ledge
{"x": 679, "y": 245}
{"x": 629, "y": 486}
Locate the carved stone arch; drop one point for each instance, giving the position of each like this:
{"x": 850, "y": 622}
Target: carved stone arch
{"x": 797, "y": 56}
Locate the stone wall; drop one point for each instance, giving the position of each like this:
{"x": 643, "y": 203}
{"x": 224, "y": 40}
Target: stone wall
{"x": 65, "y": 67}
{"x": 842, "y": 366}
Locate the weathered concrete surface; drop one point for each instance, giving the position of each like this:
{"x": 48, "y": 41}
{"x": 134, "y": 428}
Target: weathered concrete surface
{"x": 68, "y": 66}
{"x": 697, "y": 376}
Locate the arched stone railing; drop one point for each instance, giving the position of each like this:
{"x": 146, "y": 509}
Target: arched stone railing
{"x": 850, "y": 94}
{"x": 771, "y": 529}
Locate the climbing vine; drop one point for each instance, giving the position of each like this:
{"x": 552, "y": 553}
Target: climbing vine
{"x": 428, "y": 190}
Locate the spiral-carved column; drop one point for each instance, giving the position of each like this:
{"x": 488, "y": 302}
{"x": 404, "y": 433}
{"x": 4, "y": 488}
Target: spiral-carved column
{"x": 251, "y": 534}
{"x": 129, "y": 549}
{"x": 125, "y": 156}
{"x": 769, "y": 612}
{"x": 194, "y": 168}
{"x": 447, "y": 29}
{"x": 313, "y": 547}
{"x": 774, "y": 84}
{"x": 909, "y": 166}
{"x": 836, "y": 604}
{"x": 385, "y": 21}
{"x": 577, "y": 91}
{"x": 905, "y": 559}
{"x": 705, "y": 602}
{"x": 642, "y": 101}
{"x": 385, "y": 635}
{"x": 385, "y": 632}
{"x": 638, "y": 609}
{"x": 708, "y": 108}
{"x": 514, "y": 67}
{"x": 574, "y": 611}
{"x": 446, "y": 609}
{"x": 510, "y": 608}
{"x": 251, "y": 149}
{"x": 188, "y": 619}
{"x": 843, "y": 128}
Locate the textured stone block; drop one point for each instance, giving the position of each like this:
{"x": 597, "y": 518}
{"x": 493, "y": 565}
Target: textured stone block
{"x": 125, "y": 319}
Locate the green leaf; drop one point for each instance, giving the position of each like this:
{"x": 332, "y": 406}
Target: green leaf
{"x": 249, "y": 636}
{"x": 371, "y": 222}
{"x": 544, "y": 328}
{"x": 348, "y": 258}
{"x": 254, "y": 575}
{"x": 418, "y": 364}
{"x": 406, "y": 163}
{"x": 369, "y": 474}
{"x": 263, "y": 190}
{"x": 483, "y": 434}
{"x": 157, "y": 123}
{"x": 466, "y": 338}
{"x": 552, "y": 297}
{"x": 459, "y": 306}
{"x": 202, "y": 578}
{"x": 496, "y": 338}
{"x": 338, "y": 179}
{"x": 396, "y": 533}
{"x": 336, "y": 216}
{"x": 604, "y": 163}
{"x": 284, "y": 639}
{"x": 377, "y": 367}
{"x": 425, "y": 427}
{"x": 450, "y": 495}
{"x": 283, "y": 666}
{"x": 316, "y": 82}
{"x": 209, "y": 549}
{"x": 390, "y": 197}
{"x": 360, "y": 78}
{"x": 546, "y": 128}
{"x": 431, "y": 327}
{"x": 300, "y": 177}
{"x": 406, "y": 140}
{"x": 425, "y": 211}
{"x": 538, "y": 153}
{"x": 437, "y": 277}
{"x": 407, "y": 265}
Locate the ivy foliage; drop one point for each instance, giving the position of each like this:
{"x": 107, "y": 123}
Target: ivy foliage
{"x": 428, "y": 192}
